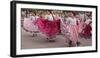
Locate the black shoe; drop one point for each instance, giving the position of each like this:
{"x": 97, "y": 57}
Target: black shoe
{"x": 50, "y": 40}
{"x": 34, "y": 35}
{"x": 70, "y": 43}
{"x": 78, "y": 43}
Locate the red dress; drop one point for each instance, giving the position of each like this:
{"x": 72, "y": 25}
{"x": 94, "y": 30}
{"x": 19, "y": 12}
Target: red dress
{"x": 57, "y": 21}
{"x": 49, "y": 28}
{"x": 58, "y": 25}
{"x": 87, "y": 31}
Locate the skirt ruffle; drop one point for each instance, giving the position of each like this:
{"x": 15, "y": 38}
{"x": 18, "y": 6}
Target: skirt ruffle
{"x": 49, "y": 28}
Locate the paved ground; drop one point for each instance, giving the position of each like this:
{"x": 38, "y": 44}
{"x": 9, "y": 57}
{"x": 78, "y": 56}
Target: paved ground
{"x": 30, "y": 42}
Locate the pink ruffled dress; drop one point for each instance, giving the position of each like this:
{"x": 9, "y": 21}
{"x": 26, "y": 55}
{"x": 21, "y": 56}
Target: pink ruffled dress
{"x": 72, "y": 28}
{"x": 29, "y": 24}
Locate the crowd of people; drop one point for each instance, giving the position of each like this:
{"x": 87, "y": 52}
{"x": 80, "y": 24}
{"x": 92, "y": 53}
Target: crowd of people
{"x": 71, "y": 24}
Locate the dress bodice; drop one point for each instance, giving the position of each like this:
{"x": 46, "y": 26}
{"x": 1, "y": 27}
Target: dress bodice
{"x": 71, "y": 21}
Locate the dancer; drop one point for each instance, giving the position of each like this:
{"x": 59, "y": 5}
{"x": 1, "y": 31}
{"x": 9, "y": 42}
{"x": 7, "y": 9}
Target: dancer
{"x": 29, "y": 24}
{"x": 72, "y": 28}
{"x": 63, "y": 25}
{"x": 87, "y": 28}
{"x": 47, "y": 26}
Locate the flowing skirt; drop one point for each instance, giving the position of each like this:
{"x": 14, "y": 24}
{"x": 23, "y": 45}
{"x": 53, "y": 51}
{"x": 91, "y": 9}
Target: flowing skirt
{"x": 49, "y": 28}
{"x": 58, "y": 25}
{"x": 63, "y": 28}
{"x": 80, "y": 27}
{"x": 29, "y": 25}
{"x": 73, "y": 31}
{"x": 87, "y": 31}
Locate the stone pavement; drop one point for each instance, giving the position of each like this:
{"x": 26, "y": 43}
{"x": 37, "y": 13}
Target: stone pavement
{"x": 30, "y": 42}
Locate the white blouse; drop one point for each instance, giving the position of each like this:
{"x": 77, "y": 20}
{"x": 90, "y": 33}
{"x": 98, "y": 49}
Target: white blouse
{"x": 71, "y": 21}
{"x": 88, "y": 21}
{"x": 49, "y": 17}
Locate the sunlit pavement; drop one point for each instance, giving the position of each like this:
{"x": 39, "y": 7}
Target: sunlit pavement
{"x": 39, "y": 41}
